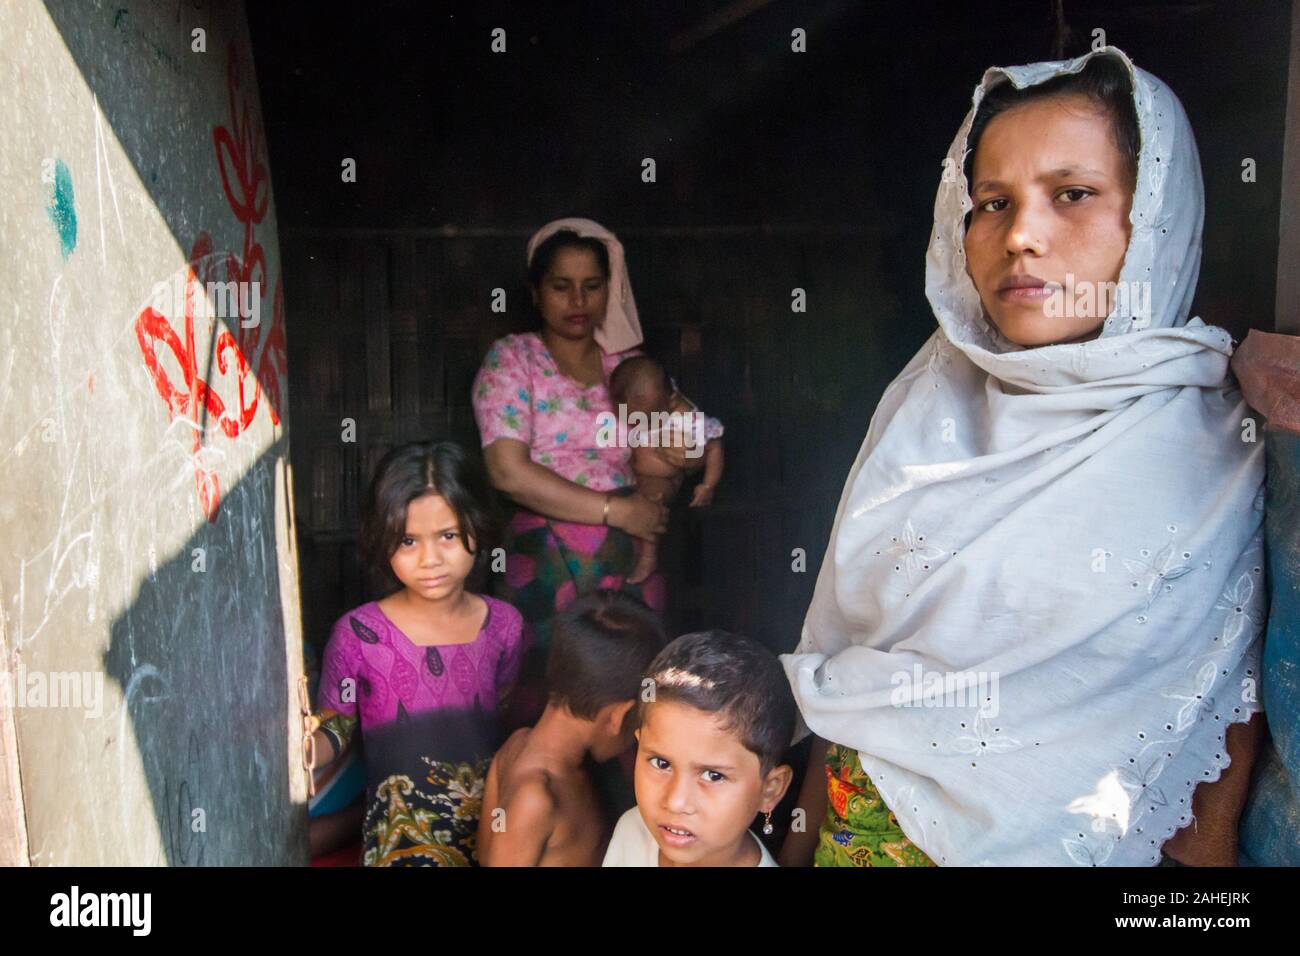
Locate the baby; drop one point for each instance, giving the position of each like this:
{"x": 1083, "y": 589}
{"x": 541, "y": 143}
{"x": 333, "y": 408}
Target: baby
{"x": 539, "y": 804}
{"x": 709, "y": 755}
{"x": 672, "y": 445}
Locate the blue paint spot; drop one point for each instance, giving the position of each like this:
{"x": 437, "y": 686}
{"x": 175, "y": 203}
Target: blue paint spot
{"x": 62, "y": 209}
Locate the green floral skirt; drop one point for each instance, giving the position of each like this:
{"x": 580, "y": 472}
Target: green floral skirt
{"x": 859, "y": 830}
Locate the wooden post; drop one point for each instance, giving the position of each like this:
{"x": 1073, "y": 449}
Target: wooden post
{"x": 13, "y": 821}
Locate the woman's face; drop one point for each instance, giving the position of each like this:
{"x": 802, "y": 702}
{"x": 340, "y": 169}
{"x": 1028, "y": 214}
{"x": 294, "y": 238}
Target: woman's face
{"x": 1051, "y": 195}
{"x": 573, "y": 293}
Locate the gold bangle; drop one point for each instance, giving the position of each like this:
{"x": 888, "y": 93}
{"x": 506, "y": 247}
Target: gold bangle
{"x": 604, "y": 518}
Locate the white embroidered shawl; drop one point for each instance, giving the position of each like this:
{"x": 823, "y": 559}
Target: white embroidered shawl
{"x": 1073, "y": 531}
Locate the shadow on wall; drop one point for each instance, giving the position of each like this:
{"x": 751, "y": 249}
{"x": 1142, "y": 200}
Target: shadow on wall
{"x": 207, "y": 711}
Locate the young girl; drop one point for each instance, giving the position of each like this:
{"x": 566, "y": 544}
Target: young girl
{"x": 420, "y": 674}
{"x": 1034, "y": 638}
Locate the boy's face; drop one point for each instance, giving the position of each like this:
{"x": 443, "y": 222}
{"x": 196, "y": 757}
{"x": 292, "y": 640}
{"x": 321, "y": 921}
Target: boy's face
{"x": 697, "y": 786}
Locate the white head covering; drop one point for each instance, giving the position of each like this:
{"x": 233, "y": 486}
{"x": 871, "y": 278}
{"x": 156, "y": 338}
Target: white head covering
{"x": 1075, "y": 528}
{"x": 621, "y": 328}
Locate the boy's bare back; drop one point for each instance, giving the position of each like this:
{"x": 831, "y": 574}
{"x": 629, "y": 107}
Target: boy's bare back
{"x": 551, "y": 815}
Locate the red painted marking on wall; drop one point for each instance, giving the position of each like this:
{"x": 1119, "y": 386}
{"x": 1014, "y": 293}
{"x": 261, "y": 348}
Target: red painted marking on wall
{"x": 246, "y": 183}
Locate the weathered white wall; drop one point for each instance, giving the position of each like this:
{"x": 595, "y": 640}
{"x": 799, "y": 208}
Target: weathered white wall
{"x": 145, "y": 531}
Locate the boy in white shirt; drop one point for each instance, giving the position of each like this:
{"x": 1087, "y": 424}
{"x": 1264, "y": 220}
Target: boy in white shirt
{"x": 708, "y": 758}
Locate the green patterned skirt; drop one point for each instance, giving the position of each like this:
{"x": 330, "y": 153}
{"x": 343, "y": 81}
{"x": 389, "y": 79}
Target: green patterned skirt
{"x": 859, "y": 830}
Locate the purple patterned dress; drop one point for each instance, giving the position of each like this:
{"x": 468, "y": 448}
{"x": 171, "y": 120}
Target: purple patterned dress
{"x": 427, "y": 716}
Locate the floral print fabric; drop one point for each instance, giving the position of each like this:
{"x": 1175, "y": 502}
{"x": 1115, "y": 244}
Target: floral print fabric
{"x": 859, "y": 830}
{"x": 520, "y": 393}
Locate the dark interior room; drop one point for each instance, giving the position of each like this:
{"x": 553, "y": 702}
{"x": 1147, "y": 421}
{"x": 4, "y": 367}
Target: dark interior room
{"x": 775, "y": 171}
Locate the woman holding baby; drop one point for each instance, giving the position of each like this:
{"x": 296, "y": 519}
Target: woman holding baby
{"x": 538, "y": 398}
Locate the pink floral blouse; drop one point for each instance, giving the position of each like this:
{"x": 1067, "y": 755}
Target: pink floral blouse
{"x": 519, "y": 392}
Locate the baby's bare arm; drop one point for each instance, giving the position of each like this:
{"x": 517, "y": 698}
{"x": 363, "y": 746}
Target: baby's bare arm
{"x": 703, "y": 494}
{"x": 713, "y": 462}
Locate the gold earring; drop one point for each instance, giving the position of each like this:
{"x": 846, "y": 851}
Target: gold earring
{"x": 767, "y": 823}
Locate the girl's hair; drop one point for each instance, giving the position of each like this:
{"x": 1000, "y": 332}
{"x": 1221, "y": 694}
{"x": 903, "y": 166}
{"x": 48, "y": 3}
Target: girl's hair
{"x": 1104, "y": 80}
{"x": 545, "y": 252}
{"x": 736, "y": 678}
{"x": 409, "y": 472}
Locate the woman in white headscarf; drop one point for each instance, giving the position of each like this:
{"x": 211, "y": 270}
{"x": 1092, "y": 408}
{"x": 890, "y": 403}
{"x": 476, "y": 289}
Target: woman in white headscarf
{"x": 1038, "y": 615}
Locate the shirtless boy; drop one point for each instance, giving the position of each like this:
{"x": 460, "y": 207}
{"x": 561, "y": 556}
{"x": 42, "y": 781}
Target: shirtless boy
{"x": 540, "y": 807}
